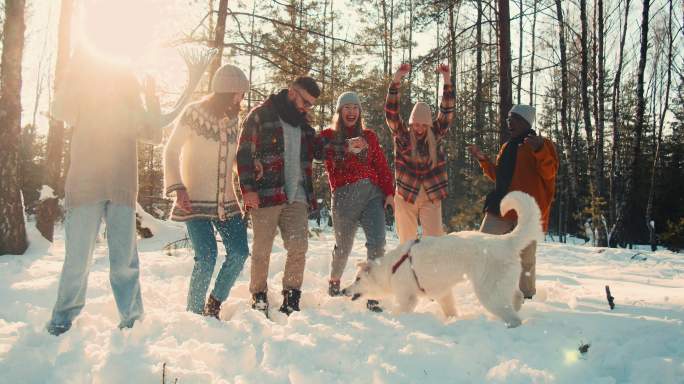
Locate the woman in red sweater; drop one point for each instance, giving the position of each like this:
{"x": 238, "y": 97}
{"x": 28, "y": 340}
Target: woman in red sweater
{"x": 361, "y": 183}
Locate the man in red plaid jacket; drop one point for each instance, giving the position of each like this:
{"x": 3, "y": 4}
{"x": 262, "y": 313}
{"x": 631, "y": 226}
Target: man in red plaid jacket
{"x": 276, "y": 148}
{"x": 419, "y": 160}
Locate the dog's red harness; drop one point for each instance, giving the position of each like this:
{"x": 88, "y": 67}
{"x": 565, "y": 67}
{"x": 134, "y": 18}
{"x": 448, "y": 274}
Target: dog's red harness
{"x": 401, "y": 260}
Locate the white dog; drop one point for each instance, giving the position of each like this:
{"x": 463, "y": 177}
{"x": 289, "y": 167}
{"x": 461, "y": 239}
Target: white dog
{"x": 432, "y": 266}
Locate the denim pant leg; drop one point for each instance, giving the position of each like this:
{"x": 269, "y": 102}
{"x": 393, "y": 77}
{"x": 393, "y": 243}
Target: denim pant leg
{"x": 124, "y": 265}
{"x": 234, "y": 235}
{"x": 81, "y": 227}
{"x": 201, "y": 233}
{"x": 346, "y": 209}
{"x": 373, "y": 224}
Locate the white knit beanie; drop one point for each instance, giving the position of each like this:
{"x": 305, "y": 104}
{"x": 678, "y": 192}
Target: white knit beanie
{"x": 527, "y": 112}
{"x": 421, "y": 114}
{"x": 347, "y": 98}
{"x": 229, "y": 79}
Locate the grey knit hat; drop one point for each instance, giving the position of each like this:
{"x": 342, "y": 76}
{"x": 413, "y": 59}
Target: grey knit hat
{"x": 229, "y": 79}
{"x": 347, "y": 98}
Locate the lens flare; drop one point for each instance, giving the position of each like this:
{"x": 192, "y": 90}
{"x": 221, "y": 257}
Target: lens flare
{"x": 571, "y": 356}
{"x": 120, "y": 30}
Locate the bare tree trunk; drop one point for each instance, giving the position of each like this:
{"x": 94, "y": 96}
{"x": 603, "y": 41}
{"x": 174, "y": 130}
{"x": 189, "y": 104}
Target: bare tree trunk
{"x": 651, "y": 190}
{"x": 410, "y": 52}
{"x": 452, "y": 44}
{"x": 479, "y": 123}
{"x": 505, "y": 92}
{"x": 633, "y": 211}
{"x": 565, "y": 128}
{"x": 597, "y": 216}
{"x": 211, "y": 15}
{"x": 385, "y": 40}
{"x": 219, "y": 38}
{"x": 520, "y": 50}
{"x": 48, "y": 210}
{"x": 584, "y": 89}
{"x": 534, "y": 31}
{"x": 616, "y": 198}
{"x": 251, "y": 57}
{"x": 600, "y": 125}
{"x": 391, "y": 37}
{"x": 12, "y": 226}
{"x": 598, "y": 197}
{"x": 332, "y": 50}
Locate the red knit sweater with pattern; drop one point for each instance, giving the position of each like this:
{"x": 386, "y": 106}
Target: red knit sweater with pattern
{"x": 345, "y": 167}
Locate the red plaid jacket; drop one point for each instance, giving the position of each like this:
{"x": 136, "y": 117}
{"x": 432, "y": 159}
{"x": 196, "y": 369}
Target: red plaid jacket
{"x": 262, "y": 139}
{"x": 410, "y": 174}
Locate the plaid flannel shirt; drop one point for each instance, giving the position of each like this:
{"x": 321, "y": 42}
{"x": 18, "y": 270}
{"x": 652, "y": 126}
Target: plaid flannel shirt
{"x": 410, "y": 174}
{"x": 262, "y": 139}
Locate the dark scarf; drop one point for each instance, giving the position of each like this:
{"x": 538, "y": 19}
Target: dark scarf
{"x": 504, "y": 173}
{"x": 286, "y": 110}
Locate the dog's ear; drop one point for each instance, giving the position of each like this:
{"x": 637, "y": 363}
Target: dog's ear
{"x": 363, "y": 265}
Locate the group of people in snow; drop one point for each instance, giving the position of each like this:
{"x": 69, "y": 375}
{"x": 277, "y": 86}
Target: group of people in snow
{"x": 272, "y": 150}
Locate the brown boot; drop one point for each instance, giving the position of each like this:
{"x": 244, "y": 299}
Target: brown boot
{"x": 212, "y": 307}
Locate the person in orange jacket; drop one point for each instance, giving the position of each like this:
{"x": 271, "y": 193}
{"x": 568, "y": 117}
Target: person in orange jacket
{"x": 527, "y": 163}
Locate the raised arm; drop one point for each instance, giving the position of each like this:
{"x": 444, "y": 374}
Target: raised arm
{"x": 446, "y": 108}
{"x": 394, "y": 122}
{"x": 488, "y": 167}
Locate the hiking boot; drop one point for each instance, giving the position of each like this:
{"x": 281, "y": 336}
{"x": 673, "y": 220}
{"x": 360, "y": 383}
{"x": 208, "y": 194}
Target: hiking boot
{"x": 290, "y": 301}
{"x": 56, "y": 330}
{"x": 373, "y": 306}
{"x": 260, "y": 302}
{"x": 212, "y": 307}
{"x": 334, "y": 288}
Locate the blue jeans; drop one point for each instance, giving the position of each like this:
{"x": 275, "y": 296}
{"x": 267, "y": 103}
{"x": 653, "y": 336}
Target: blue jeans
{"x": 234, "y": 235}
{"x": 82, "y": 224}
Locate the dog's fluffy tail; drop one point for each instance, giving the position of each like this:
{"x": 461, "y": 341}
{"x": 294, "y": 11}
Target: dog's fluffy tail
{"x": 529, "y": 226}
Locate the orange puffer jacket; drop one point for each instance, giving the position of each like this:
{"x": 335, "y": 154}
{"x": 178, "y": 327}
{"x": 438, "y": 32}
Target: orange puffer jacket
{"x": 535, "y": 174}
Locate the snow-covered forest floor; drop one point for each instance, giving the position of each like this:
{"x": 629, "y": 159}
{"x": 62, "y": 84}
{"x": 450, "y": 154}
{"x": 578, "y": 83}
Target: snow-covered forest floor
{"x": 334, "y": 340}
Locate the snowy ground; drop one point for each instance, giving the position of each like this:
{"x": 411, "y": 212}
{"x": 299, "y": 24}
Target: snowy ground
{"x": 334, "y": 340}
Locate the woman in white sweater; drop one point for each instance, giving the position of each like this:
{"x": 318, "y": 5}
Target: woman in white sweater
{"x": 198, "y": 167}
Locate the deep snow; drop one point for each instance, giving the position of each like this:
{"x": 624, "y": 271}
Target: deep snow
{"x": 335, "y": 340}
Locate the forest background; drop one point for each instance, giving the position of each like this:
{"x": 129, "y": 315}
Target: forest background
{"x": 605, "y": 76}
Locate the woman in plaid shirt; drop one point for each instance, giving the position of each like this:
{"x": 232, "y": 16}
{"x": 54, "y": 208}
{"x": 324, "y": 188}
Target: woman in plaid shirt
{"x": 420, "y": 164}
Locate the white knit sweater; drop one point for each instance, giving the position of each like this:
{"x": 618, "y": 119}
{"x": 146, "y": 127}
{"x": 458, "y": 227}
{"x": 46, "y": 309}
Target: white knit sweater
{"x": 199, "y": 157}
{"x": 101, "y": 102}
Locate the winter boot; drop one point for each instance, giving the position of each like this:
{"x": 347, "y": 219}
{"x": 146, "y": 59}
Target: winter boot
{"x": 290, "y": 301}
{"x": 260, "y": 302}
{"x": 373, "y": 306}
{"x": 334, "y": 288}
{"x": 212, "y": 307}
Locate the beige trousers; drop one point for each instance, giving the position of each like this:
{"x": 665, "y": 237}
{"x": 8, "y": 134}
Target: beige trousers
{"x": 407, "y": 216}
{"x": 292, "y": 219}
{"x": 497, "y": 225}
